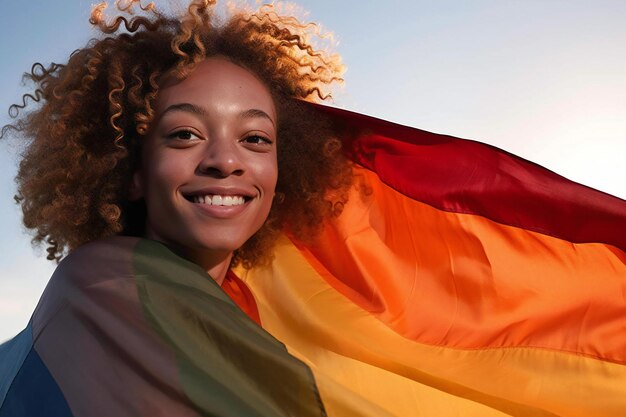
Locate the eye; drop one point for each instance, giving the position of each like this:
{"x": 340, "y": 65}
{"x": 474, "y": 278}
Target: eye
{"x": 184, "y": 135}
{"x": 257, "y": 140}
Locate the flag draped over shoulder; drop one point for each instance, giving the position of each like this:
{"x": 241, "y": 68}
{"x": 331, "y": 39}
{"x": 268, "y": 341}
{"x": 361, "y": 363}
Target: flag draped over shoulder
{"x": 459, "y": 280}
{"x": 127, "y": 328}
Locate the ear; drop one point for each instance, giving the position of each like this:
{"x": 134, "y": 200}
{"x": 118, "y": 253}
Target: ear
{"x": 136, "y": 189}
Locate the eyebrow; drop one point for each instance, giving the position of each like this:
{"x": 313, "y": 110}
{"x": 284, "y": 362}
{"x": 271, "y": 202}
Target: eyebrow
{"x": 201, "y": 111}
{"x": 187, "y": 108}
{"x": 252, "y": 113}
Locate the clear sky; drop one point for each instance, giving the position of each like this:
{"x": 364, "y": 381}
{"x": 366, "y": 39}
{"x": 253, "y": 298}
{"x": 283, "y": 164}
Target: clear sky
{"x": 545, "y": 79}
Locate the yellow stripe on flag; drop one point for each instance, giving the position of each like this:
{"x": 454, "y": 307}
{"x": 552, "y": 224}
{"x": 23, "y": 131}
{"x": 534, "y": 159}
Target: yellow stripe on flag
{"x": 363, "y": 366}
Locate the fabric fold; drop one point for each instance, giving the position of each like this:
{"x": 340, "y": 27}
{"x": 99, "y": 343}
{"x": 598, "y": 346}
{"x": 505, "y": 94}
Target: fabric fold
{"x": 459, "y": 280}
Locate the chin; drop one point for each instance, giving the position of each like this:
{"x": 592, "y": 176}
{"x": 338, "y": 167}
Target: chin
{"x": 225, "y": 244}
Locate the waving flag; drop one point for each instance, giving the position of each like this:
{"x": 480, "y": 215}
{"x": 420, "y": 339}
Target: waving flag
{"x": 460, "y": 280}
{"x": 467, "y": 281}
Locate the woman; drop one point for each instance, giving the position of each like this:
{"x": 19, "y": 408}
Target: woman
{"x": 121, "y": 146}
{"x": 415, "y": 300}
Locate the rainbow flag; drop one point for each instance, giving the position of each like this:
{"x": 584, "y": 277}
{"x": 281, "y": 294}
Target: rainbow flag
{"x": 460, "y": 280}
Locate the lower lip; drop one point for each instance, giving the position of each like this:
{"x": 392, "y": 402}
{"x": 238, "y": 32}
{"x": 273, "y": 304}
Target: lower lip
{"x": 222, "y": 212}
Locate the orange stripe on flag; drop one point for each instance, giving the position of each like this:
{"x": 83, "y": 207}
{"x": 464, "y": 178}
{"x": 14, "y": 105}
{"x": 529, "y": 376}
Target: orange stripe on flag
{"x": 460, "y": 280}
{"x": 354, "y": 354}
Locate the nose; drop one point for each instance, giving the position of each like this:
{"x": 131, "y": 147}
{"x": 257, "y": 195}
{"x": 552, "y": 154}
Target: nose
{"x": 221, "y": 158}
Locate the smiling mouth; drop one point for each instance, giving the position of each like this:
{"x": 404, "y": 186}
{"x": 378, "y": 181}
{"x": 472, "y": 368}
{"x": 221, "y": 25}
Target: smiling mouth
{"x": 218, "y": 200}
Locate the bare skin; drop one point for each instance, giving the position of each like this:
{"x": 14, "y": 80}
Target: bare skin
{"x": 209, "y": 166}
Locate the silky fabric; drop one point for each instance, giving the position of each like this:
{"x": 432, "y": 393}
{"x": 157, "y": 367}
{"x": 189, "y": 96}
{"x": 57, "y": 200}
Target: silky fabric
{"x": 406, "y": 310}
{"x": 460, "y": 280}
{"x": 127, "y": 328}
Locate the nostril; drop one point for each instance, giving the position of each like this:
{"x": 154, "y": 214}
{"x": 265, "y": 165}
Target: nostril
{"x": 219, "y": 174}
{"x": 213, "y": 172}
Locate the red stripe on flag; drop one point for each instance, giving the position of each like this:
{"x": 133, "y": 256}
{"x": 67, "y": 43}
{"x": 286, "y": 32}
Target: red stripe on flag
{"x": 464, "y": 176}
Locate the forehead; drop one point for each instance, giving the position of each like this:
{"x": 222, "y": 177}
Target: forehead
{"x": 218, "y": 84}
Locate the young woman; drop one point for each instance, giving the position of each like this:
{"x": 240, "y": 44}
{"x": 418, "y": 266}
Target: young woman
{"x": 195, "y": 198}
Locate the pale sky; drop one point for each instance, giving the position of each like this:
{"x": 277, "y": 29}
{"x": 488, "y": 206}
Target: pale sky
{"x": 544, "y": 79}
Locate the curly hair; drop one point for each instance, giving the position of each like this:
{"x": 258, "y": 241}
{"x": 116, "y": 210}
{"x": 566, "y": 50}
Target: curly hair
{"x": 84, "y": 137}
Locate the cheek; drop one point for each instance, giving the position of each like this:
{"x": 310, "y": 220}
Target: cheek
{"x": 164, "y": 174}
{"x": 269, "y": 175}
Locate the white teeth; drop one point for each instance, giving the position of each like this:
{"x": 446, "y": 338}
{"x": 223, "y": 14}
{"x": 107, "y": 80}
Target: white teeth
{"x": 218, "y": 200}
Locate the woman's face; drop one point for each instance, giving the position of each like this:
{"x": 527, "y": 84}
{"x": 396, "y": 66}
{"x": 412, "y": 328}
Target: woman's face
{"x": 208, "y": 169}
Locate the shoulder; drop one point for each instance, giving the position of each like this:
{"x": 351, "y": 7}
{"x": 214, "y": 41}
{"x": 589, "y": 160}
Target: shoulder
{"x": 97, "y": 260}
{"x": 101, "y": 269}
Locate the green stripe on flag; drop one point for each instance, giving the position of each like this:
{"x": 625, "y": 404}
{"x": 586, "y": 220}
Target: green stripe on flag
{"x": 228, "y": 365}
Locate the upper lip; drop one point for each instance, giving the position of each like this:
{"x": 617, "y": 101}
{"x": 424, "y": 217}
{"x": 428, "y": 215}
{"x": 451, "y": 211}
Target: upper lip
{"x": 219, "y": 190}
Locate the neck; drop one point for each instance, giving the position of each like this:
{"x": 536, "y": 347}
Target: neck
{"x": 218, "y": 270}
{"x": 215, "y": 263}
